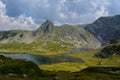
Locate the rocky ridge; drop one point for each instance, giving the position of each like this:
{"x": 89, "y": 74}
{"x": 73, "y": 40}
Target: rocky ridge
{"x": 93, "y": 35}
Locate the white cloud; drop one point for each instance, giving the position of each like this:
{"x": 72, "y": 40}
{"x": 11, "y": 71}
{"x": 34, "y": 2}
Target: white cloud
{"x": 59, "y": 11}
{"x": 62, "y": 15}
{"x": 82, "y": 11}
{"x": 2, "y": 8}
{"x": 100, "y": 8}
{"x": 21, "y": 22}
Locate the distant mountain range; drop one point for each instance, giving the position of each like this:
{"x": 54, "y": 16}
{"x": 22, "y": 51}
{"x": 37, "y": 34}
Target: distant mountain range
{"x": 93, "y": 35}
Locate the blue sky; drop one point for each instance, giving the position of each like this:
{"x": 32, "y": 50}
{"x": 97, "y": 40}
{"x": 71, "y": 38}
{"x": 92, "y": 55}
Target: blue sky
{"x": 29, "y": 14}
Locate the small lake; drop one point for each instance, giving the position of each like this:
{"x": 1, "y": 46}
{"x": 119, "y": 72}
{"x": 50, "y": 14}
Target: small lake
{"x": 41, "y": 59}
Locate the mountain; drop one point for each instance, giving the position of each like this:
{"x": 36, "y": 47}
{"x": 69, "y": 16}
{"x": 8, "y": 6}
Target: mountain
{"x": 46, "y": 27}
{"x": 74, "y": 35}
{"x": 66, "y": 35}
{"x": 93, "y": 35}
{"x": 105, "y": 28}
{"x": 16, "y": 36}
{"x": 110, "y": 50}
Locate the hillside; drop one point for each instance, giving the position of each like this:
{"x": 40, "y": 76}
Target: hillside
{"x": 26, "y": 70}
{"x": 74, "y": 35}
{"x": 51, "y": 39}
{"x": 102, "y": 63}
{"x": 110, "y": 50}
{"x": 105, "y": 28}
{"x": 17, "y": 69}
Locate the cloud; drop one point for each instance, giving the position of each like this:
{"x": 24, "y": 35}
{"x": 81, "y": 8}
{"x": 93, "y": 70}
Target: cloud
{"x": 60, "y": 11}
{"x": 21, "y": 22}
{"x": 114, "y": 7}
{"x": 82, "y": 11}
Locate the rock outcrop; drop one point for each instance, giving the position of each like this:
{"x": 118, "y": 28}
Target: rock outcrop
{"x": 46, "y": 27}
{"x": 105, "y": 28}
{"x": 93, "y": 35}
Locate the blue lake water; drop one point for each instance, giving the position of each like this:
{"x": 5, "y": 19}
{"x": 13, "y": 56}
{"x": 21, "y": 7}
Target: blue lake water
{"x": 41, "y": 59}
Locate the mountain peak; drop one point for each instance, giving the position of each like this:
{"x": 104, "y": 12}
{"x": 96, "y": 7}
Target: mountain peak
{"x": 46, "y": 27}
{"x": 109, "y": 19}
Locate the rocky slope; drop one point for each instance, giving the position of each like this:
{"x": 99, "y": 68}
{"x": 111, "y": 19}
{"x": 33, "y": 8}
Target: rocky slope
{"x": 92, "y": 35}
{"x": 66, "y": 35}
{"x": 69, "y": 34}
{"x": 105, "y": 28}
{"x": 18, "y": 36}
{"x": 110, "y": 50}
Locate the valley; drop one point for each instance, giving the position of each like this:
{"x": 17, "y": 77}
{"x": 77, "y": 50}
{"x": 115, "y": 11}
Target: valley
{"x": 68, "y": 49}
{"x": 27, "y": 70}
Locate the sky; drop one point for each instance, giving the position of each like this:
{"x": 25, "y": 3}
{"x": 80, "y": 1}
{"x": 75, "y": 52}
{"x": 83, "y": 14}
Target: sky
{"x": 30, "y": 14}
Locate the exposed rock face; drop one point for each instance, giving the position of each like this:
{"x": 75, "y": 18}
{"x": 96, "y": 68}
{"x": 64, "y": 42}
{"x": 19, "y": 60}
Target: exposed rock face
{"x": 18, "y": 36}
{"x": 105, "y": 28}
{"x": 74, "y": 35}
{"x": 77, "y": 36}
{"x": 92, "y": 35}
{"x": 46, "y": 27}
{"x": 109, "y": 51}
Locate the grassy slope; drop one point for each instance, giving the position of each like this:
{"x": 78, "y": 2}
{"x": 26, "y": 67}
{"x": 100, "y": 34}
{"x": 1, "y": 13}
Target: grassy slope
{"x": 89, "y": 59}
{"x": 43, "y": 45}
{"x": 24, "y": 70}
{"x": 16, "y": 69}
{"x": 64, "y": 66}
{"x": 54, "y": 49}
{"x": 34, "y": 48}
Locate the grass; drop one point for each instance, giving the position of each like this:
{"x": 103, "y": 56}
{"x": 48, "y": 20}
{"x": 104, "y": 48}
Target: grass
{"x": 17, "y": 69}
{"x": 87, "y": 56}
{"x": 90, "y": 61}
{"x": 64, "y": 66}
{"x": 34, "y": 48}
{"x": 55, "y": 49}
{"x": 93, "y": 68}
